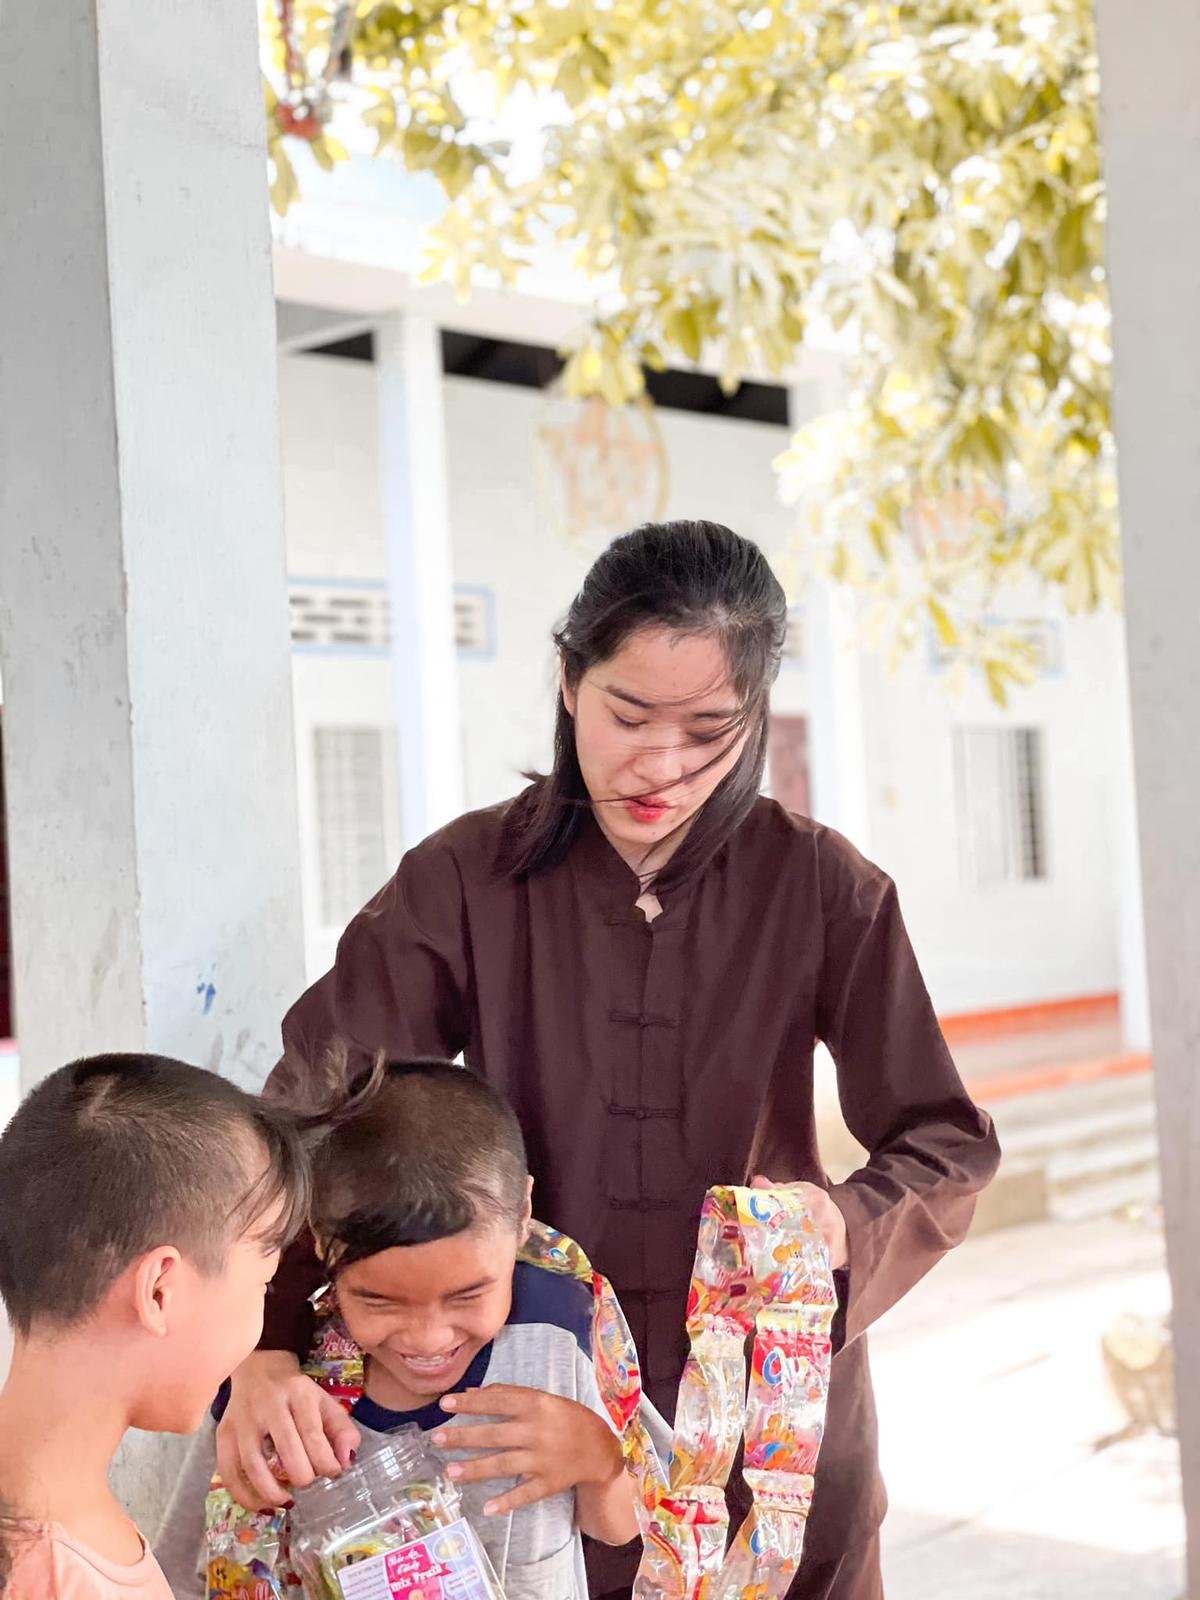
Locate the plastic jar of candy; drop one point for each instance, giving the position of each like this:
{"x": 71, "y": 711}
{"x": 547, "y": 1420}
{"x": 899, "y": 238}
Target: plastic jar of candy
{"x": 389, "y": 1528}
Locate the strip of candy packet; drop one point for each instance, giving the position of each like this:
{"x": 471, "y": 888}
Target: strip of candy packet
{"x": 761, "y": 1269}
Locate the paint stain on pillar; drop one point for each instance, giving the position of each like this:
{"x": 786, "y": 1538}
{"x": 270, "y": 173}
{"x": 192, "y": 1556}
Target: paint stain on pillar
{"x": 207, "y": 991}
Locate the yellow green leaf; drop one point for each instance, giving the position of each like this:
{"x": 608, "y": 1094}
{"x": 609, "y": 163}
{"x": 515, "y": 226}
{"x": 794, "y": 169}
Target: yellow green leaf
{"x": 946, "y": 631}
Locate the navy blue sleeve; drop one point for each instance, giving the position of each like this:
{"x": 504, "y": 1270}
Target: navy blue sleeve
{"x": 555, "y": 1299}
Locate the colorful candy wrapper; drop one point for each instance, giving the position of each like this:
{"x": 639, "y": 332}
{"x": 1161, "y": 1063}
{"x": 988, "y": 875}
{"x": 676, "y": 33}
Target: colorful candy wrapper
{"x": 243, "y": 1552}
{"x": 761, "y": 1271}
{"x": 247, "y": 1553}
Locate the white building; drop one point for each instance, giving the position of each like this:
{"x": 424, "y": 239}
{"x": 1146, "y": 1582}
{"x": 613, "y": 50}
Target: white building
{"x": 994, "y": 823}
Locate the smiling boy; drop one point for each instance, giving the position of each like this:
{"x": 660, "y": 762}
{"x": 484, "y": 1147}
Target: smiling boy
{"x": 421, "y": 1202}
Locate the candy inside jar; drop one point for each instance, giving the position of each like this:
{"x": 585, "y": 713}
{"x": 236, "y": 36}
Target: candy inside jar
{"x": 389, "y": 1528}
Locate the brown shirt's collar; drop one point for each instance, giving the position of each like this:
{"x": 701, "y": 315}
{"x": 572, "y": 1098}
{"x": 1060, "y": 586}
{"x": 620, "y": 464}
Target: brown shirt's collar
{"x": 605, "y": 880}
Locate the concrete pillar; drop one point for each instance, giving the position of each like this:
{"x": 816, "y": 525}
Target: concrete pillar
{"x": 837, "y": 732}
{"x": 412, "y": 456}
{"x": 1149, "y": 62}
{"x": 837, "y": 740}
{"x": 154, "y": 860}
{"x": 1131, "y": 921}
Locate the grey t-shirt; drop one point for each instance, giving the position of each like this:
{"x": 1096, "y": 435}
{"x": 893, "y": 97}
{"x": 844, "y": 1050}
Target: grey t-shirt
{"x": 537, "y": 1551}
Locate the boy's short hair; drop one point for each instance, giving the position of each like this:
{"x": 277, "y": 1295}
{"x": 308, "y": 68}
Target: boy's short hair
{"x": 415, "y": 1151}
{"x": 115, "y": 1154}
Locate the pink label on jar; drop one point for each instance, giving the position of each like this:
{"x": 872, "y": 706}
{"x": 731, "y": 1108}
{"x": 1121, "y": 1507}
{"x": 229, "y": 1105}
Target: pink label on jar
{"x": 446, "y": 1565}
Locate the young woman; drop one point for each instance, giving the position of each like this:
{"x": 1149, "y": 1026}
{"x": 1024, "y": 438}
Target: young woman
{"x": 640, "y": 951}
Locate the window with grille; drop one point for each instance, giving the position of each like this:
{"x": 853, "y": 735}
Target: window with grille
{"x": 329, "y": 617}
{"x": 339, "y": 618}
{"x": 1001, "y": 826}
{"x": 474, "y": 633}
{"x": 355, "y": 770}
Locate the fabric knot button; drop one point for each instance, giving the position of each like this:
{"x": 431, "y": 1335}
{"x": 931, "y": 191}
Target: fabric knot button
{"x": 641, "y": 1113}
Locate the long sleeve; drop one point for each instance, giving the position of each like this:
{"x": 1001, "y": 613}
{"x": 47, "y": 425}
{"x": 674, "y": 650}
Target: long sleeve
{"x": 400, "y": 983}
{"x": 401, "y": 977}
{"x": 931, "y": 1150}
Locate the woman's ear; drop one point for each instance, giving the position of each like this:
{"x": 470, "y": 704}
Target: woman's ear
{"x": 569, "y": 696}
{"x": 527, "y": 1213}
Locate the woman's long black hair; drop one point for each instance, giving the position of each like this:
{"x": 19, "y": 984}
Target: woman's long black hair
{"x": 698, "y": 578}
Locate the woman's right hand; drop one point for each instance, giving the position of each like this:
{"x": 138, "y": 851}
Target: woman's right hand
{"x": 275, "y": 1411}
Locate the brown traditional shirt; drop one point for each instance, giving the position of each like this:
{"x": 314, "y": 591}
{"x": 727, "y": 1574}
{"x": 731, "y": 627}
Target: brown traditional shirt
{"x": 649, "y": 1060}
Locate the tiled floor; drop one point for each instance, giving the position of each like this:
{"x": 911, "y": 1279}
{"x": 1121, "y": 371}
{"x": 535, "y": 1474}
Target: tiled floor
{"x": 992, "y": 1401}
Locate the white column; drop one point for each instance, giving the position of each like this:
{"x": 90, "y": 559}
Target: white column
{"x": 1131, "y": 921}
{"x": 1150, "y": 61}
{"x": 837, "y": 740}
{"x": 837, "y": 733}
{"x": 154, "y": 859}
{"x": 412, "y": 455}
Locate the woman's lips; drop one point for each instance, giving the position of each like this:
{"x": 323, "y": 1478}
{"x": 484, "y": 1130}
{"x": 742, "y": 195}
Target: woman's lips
{"x": 647, "y": 809}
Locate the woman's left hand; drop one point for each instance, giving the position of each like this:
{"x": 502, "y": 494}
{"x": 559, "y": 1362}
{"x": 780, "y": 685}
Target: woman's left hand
{"x": 548, "y": 1442}
{"x": 824, "y": 1213}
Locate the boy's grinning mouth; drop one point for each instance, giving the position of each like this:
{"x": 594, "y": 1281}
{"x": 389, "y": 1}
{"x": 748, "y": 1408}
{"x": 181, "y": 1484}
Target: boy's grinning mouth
{"x": 429, "y": 1363}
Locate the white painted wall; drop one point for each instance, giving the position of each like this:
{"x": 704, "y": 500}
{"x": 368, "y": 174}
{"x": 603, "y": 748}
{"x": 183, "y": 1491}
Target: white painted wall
{"x": 718, "y": 469}
{"x": 329, "y": 424}
{"x": 1011, "y": 943}
{"x": 978, "y": 948}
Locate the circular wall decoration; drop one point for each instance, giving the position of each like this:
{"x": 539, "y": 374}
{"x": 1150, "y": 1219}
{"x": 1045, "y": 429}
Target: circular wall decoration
{"x": 600, "y": 470}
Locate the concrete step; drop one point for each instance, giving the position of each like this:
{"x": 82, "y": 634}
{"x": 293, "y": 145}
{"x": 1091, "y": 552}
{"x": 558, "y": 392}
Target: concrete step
{"x": 1088, "y": 1131}
{"x": 1093, "y": 1161}
{"x": 1121, "y": 1192}
{"x": 1031, "y": 1117}
{"x": 1085, "y": 1151}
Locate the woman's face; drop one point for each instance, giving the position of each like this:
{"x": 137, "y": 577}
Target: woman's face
{"x": 648, "y": 723}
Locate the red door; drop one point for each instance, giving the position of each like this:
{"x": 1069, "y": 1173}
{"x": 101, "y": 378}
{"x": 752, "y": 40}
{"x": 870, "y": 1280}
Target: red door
{"x": 787, "y": 763}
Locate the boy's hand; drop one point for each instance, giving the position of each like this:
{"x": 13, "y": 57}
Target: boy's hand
{"x": 275, "y": 1411}
{"x": 550, "y": 1443}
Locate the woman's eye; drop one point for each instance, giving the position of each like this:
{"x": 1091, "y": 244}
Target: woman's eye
{"x": 623, "y": 722}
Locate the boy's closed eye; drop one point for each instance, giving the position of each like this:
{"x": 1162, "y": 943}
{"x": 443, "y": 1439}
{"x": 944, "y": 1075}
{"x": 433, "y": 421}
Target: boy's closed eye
{"x": 456, "y": 1297}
